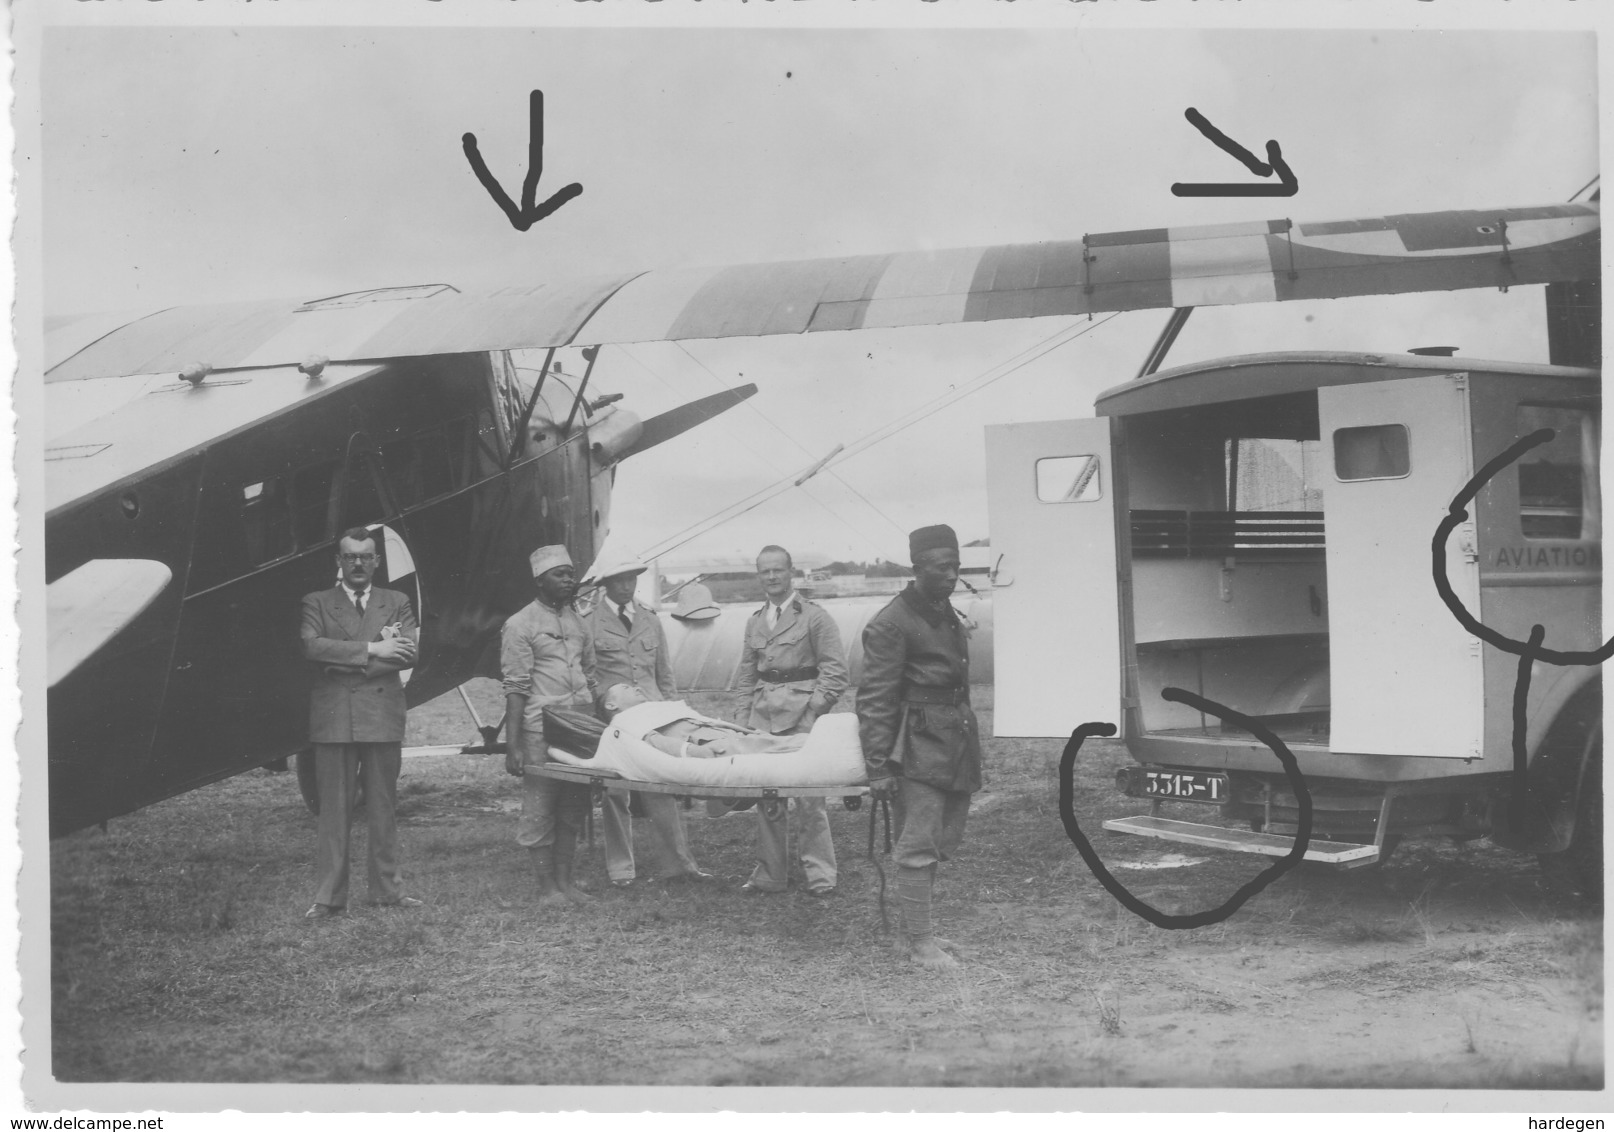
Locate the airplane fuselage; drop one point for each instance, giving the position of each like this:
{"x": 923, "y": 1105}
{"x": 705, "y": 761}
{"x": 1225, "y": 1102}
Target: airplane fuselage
{"x": 209, "y": 681}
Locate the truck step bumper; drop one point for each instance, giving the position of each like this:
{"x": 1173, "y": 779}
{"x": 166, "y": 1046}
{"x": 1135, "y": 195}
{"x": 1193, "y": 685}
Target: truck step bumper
{"x": 1343, "y": 853}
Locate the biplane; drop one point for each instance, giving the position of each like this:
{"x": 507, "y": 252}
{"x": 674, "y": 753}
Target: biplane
{"x": 201, "y": 460}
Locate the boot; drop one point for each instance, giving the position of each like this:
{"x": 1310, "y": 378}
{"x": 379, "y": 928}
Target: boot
{"x": 913, "y": 893}
{"x": 549, "y": 893}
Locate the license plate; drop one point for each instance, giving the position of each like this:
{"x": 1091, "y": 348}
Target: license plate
{"x": 1183, "y": 786}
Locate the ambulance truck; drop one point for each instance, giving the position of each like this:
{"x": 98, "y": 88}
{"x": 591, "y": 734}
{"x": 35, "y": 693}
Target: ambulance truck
{"x": 1258, "y": 530}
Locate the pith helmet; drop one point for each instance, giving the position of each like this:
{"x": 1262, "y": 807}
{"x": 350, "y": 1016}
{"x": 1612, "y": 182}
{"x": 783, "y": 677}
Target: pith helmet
{"x": 695, "y": 604}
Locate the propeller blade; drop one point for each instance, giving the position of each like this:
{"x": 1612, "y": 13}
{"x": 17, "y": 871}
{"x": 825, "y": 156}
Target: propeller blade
{"x": 680, "y": 420}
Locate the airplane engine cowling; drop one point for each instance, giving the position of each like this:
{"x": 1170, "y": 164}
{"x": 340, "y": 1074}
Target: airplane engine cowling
{"x": 613, "y": 433}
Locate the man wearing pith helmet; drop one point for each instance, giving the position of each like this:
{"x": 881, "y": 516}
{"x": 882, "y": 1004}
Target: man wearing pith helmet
{"x": 630, "y": 648}
{"x": 920, "y": 740}
{"x": 548, "y": 661}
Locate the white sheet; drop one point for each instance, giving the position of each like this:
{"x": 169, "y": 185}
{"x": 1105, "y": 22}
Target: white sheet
{"x": 644, "y": 718}
{"x": 832, "y": 756}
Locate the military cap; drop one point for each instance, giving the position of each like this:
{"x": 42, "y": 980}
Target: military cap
{"x": 546, "y": 558}
{"x": 938, "y": 537}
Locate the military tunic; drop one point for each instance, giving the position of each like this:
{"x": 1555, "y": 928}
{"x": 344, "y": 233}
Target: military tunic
{"x": 915, "y": 721}
{"x": 638, "y": 657}
{"x": 780, "y": 693}
{"x": 804, "y": 638}
{"x": 547, "y": 656}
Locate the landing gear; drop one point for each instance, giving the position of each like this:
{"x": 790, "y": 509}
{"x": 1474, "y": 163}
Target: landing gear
{"x": 489, "y": 732}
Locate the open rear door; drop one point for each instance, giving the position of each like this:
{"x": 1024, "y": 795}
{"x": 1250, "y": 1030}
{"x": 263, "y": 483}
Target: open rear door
{"x": 1406, "y": 677}
{"x": 1056, "y": 653}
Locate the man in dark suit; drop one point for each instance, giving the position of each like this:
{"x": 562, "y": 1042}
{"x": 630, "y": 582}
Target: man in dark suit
{"x": 359, "y": 637}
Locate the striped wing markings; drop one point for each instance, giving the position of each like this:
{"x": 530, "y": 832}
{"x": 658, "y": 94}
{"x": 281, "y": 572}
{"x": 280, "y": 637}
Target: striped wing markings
{"x": 916, "y": 288}
{"x": 780, "y": 298}
{"x": 646, "y": 308}
{"x": 1210, "y": 264}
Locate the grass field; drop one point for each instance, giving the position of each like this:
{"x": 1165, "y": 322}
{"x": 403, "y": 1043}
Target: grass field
{"x": 180, "y": 954}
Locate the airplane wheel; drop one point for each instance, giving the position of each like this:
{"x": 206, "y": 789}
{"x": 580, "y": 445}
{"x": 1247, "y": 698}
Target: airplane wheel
{"x": 309, "y": 786}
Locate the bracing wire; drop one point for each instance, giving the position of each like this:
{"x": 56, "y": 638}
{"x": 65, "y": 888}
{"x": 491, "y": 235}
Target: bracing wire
{"x": 885, "y": 432}
{"x": 862, "y": 535}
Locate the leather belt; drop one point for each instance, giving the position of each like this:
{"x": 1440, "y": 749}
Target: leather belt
{"x": 935, "y": 694}
{"x": 787, "y": 675}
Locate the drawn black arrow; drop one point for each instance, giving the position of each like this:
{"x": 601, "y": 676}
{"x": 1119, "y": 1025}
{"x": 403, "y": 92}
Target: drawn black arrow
{"x": 1287, "y": 187}
{"x": 529, "y": 213}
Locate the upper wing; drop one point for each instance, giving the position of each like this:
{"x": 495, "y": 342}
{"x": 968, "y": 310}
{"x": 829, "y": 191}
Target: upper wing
{"x": 1266, "y": 261}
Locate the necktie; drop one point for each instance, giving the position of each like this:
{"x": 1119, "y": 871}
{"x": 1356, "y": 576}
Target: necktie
{"x": 627, "y": 618}
{"x": 773, "y": 616}
{"x": 358, "y": 602}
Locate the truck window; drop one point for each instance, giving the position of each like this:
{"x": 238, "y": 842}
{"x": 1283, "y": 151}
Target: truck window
{"x": 1068, "y": 479}
{"x": 1371, "y": 452}
{"x": 1272, "y": 474}
{"x": 1559, "y": 494}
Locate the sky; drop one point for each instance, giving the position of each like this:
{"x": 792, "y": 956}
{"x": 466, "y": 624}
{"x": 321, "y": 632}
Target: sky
{"x": 187, "y": 165}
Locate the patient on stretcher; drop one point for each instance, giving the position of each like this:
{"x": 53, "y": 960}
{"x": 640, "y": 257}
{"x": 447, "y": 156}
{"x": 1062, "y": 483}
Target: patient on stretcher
{"x": 669, "y": 742}
{"x": 674, "y": 728}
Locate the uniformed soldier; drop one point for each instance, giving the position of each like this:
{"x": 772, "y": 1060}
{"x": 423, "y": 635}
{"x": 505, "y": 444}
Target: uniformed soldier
{"x": 548, "y": 660}
{"x": 630, "y": 648}
{"x": 920, "y": 740}
{"x": 792, "y": 670}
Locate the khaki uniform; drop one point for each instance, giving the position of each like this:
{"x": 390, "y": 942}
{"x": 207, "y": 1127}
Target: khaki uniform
{"x": 548, "y": 657}
{"x": 790, "y": 674}
{"x": 915, "y": 721}
{"x": 640, "y": 657}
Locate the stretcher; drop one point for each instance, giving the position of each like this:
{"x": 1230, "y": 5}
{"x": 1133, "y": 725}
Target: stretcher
{"x": 769, "y": 798}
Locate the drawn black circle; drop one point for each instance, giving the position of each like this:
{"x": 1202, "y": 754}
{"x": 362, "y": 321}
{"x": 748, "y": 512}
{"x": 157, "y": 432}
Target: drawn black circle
{"x": 1291, "y": 770}
{"x": 1458, "y": 513}
{"x": 1527, "y": 651}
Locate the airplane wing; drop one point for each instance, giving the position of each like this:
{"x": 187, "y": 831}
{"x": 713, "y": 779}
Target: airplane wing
{"x": 1262, "y": 262}
{"x": 86, "y": 608}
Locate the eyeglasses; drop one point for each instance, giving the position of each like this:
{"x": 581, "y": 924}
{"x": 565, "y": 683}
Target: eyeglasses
{"x": 355, "y": 559}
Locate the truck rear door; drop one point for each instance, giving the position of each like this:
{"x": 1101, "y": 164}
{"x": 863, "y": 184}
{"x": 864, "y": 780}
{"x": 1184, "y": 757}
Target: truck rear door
{"x": 1051, "y": 502}
{"x": 1406, "y": 679}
